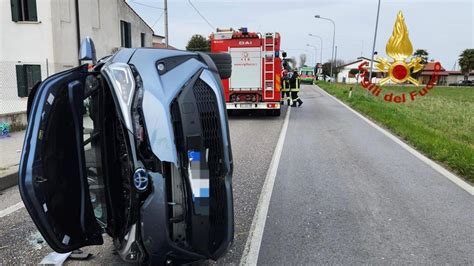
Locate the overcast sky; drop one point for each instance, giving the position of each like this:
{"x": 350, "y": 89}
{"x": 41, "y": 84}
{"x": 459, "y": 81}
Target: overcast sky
{"x": 444, "y": 28}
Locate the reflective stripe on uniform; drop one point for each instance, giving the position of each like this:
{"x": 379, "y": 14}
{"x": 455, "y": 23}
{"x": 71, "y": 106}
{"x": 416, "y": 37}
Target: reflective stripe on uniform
{"x": 284, "y": 86}
{"x": 297, "y": 89}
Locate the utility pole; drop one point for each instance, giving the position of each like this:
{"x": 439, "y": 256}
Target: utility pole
{"x": 373, "y": 46}
{"x": 166, "y": 23}
{"x": 335, "y": 64}
{"x": 78, "y": 29}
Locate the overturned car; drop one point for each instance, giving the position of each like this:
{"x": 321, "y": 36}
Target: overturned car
{"x": 137, "y": 147}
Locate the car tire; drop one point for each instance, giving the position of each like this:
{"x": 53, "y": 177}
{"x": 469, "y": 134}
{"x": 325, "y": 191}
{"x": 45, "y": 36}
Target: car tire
{"x": 223, "y": 63}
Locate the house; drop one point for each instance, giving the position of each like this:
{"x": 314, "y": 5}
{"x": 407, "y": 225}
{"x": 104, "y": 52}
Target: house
{"x": 425, "y": 75}
{"x": 457, "y": 76}
{"x": 42, "y": 37}
{"x": 345, "y": 75}
{"x": 158, "y": 42}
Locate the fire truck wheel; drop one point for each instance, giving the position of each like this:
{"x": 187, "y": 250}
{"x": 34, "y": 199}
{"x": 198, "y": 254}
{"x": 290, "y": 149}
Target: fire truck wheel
{"x": 274, "y": 112}
{"x": 223, "y": 63}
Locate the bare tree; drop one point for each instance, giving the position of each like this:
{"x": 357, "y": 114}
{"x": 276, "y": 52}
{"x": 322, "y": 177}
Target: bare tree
{"x": 291, "y": 62}
{"x": 303, "y": 59}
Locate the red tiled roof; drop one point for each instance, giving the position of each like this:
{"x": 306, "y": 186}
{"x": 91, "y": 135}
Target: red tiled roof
{"x": 430, "y": 67}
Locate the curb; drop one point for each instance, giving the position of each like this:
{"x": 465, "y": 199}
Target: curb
{"x": 9, "y": 180}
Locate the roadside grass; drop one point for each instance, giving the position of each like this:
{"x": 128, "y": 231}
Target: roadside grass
{"x": 439, "y": 124}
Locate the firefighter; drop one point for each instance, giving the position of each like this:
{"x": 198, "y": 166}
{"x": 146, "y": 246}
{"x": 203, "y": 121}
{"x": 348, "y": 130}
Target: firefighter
{"x": 295, "y": 88}
{"x": 285, "y": 91}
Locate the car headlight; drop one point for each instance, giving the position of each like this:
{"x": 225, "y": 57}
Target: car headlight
{"x": 123, "y": 83}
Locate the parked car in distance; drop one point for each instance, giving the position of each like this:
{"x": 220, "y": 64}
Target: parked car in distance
{"x": 139, "y": 147}
{"x": 463, "y": 83}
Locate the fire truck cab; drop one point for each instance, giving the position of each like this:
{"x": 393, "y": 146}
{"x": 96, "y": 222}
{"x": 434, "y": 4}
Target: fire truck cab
{"x": 256, "y": 69}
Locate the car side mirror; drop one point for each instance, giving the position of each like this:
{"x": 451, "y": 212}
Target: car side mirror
{"x": 87, "y": 50}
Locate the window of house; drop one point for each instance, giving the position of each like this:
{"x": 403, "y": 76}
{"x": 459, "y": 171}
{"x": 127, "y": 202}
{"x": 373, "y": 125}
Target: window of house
{"x": 142, "y": 39}
{"x": 24, "y": 10}
{"x": 126, "y": 34}
{"x": 26, "y": 77}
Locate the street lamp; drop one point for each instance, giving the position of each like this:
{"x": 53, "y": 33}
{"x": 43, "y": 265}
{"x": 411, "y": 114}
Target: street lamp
{"x": 333, "y": 38}
{"x": 321, "y": 50}
{"x": 315, "y": 52}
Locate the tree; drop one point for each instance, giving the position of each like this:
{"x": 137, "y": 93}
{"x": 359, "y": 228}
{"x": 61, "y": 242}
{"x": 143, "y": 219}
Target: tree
{"x": 302, "y": 60}
{"x": 198, "y": 43}
{"x": 337, "y": 66}
{"x": 354, "y": 71}
{"x": 423, "y": 54}
{"x": 466, "y": 62}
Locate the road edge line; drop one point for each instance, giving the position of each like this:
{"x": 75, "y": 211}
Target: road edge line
{"x": 254, "y": 239}
{"x": 11, "y": 209}
{"x": 438, "y": 168}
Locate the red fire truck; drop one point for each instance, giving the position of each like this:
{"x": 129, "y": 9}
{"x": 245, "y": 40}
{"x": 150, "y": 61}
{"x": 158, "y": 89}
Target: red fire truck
{"x": 256, "y": 69}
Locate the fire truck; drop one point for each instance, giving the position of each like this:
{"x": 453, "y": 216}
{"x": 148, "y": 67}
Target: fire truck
{"x": 256, "y": 69}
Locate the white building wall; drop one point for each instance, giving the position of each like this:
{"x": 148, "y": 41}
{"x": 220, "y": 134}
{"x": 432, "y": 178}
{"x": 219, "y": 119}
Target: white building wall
{"x": 64, "y": 35}
{"x": 99, "y": 20}
{"x": 23, "y": 43}
{"x": 343, "y": 76}
{"x": 455, "y": 78}
{"x": 138, "y": 25}
{"x": 52, "y": 41}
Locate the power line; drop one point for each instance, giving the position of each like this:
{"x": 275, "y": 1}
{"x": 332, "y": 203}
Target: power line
{"x": 156, "y": 21}
{"x": 150, "y": 6}
{"x": 199, "y": 13}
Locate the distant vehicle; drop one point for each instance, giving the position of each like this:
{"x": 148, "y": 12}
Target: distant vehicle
{"x": 256, "y": 69}
{"x": 307, "y": 75}
{"x": 328, "y": 78}
{"x": 137, "y": 147}
{"x": 463, "y": 83}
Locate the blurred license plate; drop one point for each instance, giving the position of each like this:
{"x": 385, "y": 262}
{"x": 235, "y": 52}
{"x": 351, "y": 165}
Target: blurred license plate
{"x": 245, "y": 105}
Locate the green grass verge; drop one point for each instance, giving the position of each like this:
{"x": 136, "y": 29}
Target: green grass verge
{"x": 439, "y": 124}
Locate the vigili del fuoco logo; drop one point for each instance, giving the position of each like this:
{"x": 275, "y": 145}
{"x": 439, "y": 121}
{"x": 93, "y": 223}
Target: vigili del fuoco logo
{"x": 398, "y": 70}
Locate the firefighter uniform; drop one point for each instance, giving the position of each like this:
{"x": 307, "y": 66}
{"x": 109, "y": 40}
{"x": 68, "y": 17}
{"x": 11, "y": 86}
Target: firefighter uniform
{"x": 295, "y": 89}
{"x": 285, "y": 91}
{"x": 285, "y": 88}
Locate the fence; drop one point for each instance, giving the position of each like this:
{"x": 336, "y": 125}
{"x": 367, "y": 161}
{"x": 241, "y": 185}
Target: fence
{"x": 16, "y": 78}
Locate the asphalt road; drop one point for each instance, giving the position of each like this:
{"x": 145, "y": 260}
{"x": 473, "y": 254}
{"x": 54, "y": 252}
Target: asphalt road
{"x": 253, "y": 141}
{"x": 345, "y": 193}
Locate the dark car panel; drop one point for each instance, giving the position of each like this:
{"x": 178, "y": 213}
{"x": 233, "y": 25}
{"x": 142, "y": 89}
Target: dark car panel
{"x": 52, "y": 176}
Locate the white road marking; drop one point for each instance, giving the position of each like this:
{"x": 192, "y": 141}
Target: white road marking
{"x": 438, "y": 168}
{"x": 11, "y": 209}
{"x": 254, "y": 240}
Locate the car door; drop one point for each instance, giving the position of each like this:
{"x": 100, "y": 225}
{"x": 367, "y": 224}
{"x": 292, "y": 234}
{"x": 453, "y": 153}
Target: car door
{"x": 53, "y": 179}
